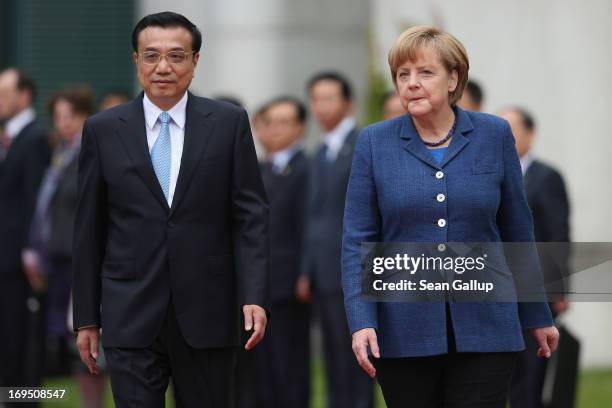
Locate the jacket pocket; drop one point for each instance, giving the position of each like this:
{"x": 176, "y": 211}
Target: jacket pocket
{"x": 485, "y": 168}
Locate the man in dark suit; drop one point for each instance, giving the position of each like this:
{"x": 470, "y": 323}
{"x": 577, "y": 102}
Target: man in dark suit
{"x": 283, "y": 359}
{"x": 549, "y": 204}
{"x": 21, "y": 172}
{"x": 170, "y": 231}
{"x": 331, "y": 104}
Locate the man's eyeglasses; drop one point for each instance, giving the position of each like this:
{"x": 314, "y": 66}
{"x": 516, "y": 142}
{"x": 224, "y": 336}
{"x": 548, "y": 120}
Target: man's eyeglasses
{"x": 173, "y": 57}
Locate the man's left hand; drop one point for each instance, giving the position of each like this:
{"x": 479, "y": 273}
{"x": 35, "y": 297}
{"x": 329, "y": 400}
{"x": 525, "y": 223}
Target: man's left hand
{"x": 254, "y": 318}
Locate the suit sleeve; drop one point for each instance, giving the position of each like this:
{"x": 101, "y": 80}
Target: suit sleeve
{"x": 556, "y": 214}
{"x": 307, "y": 261}
{"x": 89, "y": 233}
{"x": 361, "y": 224}
{"x": 33, "y": 173}
{"x": 553, "y": 219}
{"x": 250, "y": 219}
{"x": 516, "y": 225}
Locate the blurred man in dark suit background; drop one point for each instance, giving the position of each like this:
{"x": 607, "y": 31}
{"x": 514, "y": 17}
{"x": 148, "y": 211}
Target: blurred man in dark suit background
{"x": 549, "y": 204}
{"x": 283, "y": 359}
{"x": 472, "y": 98}
{"x": 392, "y": 105}
{"x": 26, "y": 157}
{"x": 332, "y": 106}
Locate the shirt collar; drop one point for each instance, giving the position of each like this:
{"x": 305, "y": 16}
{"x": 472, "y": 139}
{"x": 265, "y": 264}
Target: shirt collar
{"x": 16, "y": 124}
{"x": 281, "y": 158}
{"x": 177, "y": 112}
{"x": 335, "y": 138}
{"x": 526, "y": 161}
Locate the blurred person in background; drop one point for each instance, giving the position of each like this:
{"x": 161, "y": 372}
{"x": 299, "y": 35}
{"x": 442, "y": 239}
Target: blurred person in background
{"x": 331, "y": 103}
{"x": 472, "y": 98}
{"x": 232, "y": 100}
{"x": 392, "y": 105}
{"x": 549, "y": 204}
{"x": 48, "y": 258}
{"x": 27, "y": 156}
{"x": 283, "y": 360}
{"x": 247, "y": 381}
{"x": 439, "y": 174}
{"x": 113, "y": 98}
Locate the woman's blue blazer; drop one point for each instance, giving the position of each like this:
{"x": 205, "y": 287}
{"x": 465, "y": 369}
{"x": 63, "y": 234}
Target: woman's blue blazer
{"x": 391, "y": 197}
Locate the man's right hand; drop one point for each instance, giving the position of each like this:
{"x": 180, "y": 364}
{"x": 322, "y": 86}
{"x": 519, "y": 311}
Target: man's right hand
{"x": 87, "y": 342}
{"x": 302, "y": 289}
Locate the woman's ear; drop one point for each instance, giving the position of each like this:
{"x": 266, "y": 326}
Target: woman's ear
{"x": 453, "y": 80}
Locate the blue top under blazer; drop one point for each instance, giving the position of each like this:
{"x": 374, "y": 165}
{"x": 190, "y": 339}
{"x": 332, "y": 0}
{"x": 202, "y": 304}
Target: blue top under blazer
{"x": 391, "y": 197}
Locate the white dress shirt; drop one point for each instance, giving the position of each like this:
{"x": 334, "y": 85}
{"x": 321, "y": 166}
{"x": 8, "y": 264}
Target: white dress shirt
{"x": 281, "y": 159}
{"x": 16, "y": 124}
{"x": 526, "y": 161}
{"x": 177, "y": 134}
{"x": 336, "y": 137}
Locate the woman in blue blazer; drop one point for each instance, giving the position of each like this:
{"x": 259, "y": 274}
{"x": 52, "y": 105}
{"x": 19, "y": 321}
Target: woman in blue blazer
{"x": 437, "y": 174}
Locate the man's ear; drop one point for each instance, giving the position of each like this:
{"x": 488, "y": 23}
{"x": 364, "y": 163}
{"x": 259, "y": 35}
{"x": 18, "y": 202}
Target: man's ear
{"x": 135, "y": 57}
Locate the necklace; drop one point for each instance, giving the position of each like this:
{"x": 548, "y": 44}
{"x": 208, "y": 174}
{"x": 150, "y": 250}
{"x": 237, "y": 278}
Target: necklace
{"x": 444, "y": 139}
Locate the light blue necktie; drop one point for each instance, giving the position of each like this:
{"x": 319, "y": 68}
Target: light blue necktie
{"x": 161, "y": 154}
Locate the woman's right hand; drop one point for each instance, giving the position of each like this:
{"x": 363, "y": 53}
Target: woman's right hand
{"x": 361, "y": 340}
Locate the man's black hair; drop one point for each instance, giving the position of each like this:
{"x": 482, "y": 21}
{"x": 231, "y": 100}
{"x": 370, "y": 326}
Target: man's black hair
{"x": 168, "y": 19}
{"x": 475, "y": 91}
{"x": 300, "y": 109}
{"x": 230, "y": 99}
{"x": 25, "y": 83}
{"x": 388, "y": 95}
{"x": 347, "y": 92}
{"x": 526, "y": 117}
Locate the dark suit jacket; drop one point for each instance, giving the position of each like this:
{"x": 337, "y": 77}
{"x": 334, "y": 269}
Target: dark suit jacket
{"x": 62, "y": 209}
{"x": 549, "y": 204}
{"x": 133, "y": 254}
{"x": 286, "y": 191}
{"x": 20, "y": 176}
{"x": 326, "y": 195}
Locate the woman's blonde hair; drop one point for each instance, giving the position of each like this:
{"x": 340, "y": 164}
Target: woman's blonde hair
{"x": 452, "y": 54}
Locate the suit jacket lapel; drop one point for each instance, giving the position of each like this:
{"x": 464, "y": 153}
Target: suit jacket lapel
{"x": 198, "y": 131}
{"x": 133, "y": 135}
{"x": 344, "y": 159}
{"x": 529, "y": 175}
{"x": 459, "y": 141}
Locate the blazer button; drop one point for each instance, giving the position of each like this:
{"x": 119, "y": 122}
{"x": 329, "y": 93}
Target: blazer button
{"x": 441, "y": 247}
{"x": 441, "y": 223}
{"x": 441, "y": 197}
{"x": 439, "y": 175}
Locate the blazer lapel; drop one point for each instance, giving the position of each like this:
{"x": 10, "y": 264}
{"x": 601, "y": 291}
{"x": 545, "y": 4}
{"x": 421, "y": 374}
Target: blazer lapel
{"x": 133, "y": 135}
{"x": 414, "y": 145}
{"x": 459, "y": 141}
{"x": 198, "y": 131}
